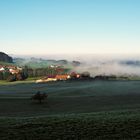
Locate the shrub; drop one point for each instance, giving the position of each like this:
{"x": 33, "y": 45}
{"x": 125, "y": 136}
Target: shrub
{"x": 11, "y": 78}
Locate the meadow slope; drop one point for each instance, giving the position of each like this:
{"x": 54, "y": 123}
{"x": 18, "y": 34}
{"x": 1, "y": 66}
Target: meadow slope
{"x": 73, "y": 110}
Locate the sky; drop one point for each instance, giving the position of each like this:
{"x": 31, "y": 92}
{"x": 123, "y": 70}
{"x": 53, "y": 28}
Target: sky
{"x": 41, "y": 27}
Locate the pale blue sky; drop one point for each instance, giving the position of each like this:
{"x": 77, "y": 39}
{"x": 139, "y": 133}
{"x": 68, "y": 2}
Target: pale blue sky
{"x": 69, "y": 26}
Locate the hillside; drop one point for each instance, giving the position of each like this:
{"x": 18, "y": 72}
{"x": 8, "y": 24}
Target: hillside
{"x": 7, "y": 64}
{"x": 5, "y": 58}
{"x": 100, "y": 110}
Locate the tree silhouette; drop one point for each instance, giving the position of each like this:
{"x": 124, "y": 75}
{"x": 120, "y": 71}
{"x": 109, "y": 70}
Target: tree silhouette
{"x": 39, "y": 96}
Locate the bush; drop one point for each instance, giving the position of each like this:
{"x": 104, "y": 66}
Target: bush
{"x": 85, "y": 74}
{"x": 11, "y": 78}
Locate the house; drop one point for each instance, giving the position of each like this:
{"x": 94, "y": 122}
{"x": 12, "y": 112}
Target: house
{"x": 78, "y": 75}
{"x": 11, "y": 67}
{"x": 75, "y": 75}
{"x": 19, "y": 68}
{"x": 53, "y": 66}
{"x": 14, "y": 71}
{"x": 63, "y": 77}
{"x": 2, "y": 69}
{"x": 44, "y": 80}
{"x": 53, "y": 78}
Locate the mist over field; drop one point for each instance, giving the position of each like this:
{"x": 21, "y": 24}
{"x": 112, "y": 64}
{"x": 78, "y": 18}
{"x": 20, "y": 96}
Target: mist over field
{"x": 110, "y": 68}
{"x": 97, "y": 64}
{"x": 110, "y": 65}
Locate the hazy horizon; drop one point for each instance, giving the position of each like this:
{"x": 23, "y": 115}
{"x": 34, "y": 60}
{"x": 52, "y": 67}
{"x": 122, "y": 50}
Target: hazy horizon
{"x": 81, "y": 56}
{"x": 97, "y": 64}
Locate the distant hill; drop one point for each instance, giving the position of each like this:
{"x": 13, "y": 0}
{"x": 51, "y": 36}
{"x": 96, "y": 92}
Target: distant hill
{"x": 42, "y": 63}
{"x": 131, "y": 63}
{"x": 5, "y": 58}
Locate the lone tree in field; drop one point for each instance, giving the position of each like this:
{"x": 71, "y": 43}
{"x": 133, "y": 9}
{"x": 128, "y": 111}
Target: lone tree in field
{"x": 39, "y": 96}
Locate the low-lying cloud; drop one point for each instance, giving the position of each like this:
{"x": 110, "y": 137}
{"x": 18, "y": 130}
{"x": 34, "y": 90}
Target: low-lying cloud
{"x": 110, "y": 66}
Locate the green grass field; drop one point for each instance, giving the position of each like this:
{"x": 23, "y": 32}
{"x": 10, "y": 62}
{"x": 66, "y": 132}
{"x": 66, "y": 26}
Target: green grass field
{"x": 73, "y": 110}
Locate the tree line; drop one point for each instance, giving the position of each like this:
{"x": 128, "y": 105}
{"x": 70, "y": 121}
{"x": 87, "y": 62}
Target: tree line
{"x": 45, "y": 71}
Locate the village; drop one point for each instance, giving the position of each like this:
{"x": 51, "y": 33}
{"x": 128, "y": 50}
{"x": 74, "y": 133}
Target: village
{"x": 52, "y": 73}
{"x": 11, "y": 69}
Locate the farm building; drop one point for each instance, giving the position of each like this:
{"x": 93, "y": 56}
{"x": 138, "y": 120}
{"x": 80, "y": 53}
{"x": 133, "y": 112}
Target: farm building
{"x": 63, "y": 77}
{"x": 46, "y": 79}
{"x": 2, "y": 68}
{"x": 14, "y": 71}
{"x": 53, "y": 78}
